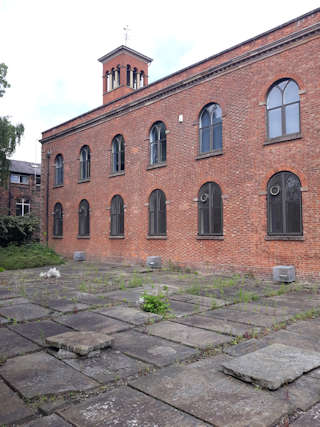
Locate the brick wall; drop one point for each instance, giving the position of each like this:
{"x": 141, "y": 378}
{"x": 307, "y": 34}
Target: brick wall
{"x": 9, "y": 195}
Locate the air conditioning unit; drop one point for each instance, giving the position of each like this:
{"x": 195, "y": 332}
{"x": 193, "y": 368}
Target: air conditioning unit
{"x": 79, "y": 256}
{"x": 154, "y": 261}
{"x": 284, "y": 273}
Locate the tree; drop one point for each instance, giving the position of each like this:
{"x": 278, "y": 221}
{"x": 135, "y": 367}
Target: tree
{"x": 10, "y": 135}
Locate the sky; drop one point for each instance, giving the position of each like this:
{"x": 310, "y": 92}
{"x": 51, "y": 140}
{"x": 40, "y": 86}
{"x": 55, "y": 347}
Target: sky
{"x": 51, "y": 48}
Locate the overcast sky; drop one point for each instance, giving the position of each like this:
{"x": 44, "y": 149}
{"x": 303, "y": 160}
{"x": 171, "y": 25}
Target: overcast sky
{"x": 51, "y": 48}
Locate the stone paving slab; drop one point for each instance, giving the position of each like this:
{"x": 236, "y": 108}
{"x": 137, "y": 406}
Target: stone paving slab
{"x": 309, "y": 328}
{"x": 12, "y": 344}
{"x": 264, "y": 309}
{"x": 64, "y": 305}
{"x": 40, "y": 374}
{"x": 12, "y": 409}
{"x": 50, "y": 421}
{"x": 272, "y": 366}
{"x": 129, "y": 314}
{"x": 200, "y": 300}
{"x": 127, "y": 407}
{"x": 109, "y": 366}
{"x": 308, "y": 419}
{"x": 285, "y": 337}
{"x": 89, "y": 299}
{"x": 244, "y": 347}
{"x": 154, "y": 350}
{"x": 6, "y": 294}
{"x": 12, "y": 301}
{"x": 48, "y": 407}
{"x": 82, "y": 342}
{"x": 22, "y": 312}
{"x": 178, "y": 308}
{"x": 91, "y": 321}
{"x": 217, "y": 325}
{"x": 213, "y": 396}
{"x": 187, "y": 335}
{"x": 39, "y": 331}
{"x": 300, "y": 303}
{"x": 129, "y": 297}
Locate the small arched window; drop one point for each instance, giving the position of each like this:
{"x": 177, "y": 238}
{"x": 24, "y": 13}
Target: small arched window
{"x": 118, "y": 154}
{"x": 141, "y": 79}
{"x": 157, "y": 214}
{"x": 58, "y": 179}
{"x": 210, "y": 129}
{"x": 84, "y": 218}
{"x": 58, "y": 220}
{"x": 117, "y": 216}
{"x": 158, "y": 143}
{"x": 210, "y": 210}
{"x": 283, "y": 109}
{"x": 128, "y": 75}
{"x": 84, "y": 162}
{"x": 284, "y": 204}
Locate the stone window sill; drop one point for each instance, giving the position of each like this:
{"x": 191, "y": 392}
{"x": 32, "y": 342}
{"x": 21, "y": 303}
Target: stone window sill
{"x": 210, "y": 237}
{"x": 116, "y": 237}
{"x": 83, "y": 237}
{"x": 285, "y": 138}
{"x": 83, "y": 180}
{"x": 285, "y": 238}
{"x": 113, "y": 174}
{"x": 158, "y": 165}
{"x": 58, "y": 185}
{"x": 57, "y": 237}
{"x": 157, "y": 237}
{"x": 211, "y": 154}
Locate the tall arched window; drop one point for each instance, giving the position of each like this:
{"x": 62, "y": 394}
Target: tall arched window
{"x": 85, "y": 162}
{"x": 118, "y": 153}
{"x": 210, "y": 129}
{"x": 58, "y": 220}
{"x": 158, "y": 143}
{"x": 284, "y": 204}
{"x": 128, "y": 75}
{"x": 58, "y": 179}
{"x": 157, "y": 214}
{"x": 117, "y": 216}
{"x": 283, "y": 109}
{"x": 84, "y": 218}
{"x": 210, "y": 210}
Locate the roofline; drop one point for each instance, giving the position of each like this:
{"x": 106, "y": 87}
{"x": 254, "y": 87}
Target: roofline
{"x": 317, "y": 10}
{"x": 118, "y": 50}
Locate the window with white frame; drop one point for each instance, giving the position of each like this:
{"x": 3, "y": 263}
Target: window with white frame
{"x": 22, "y": 207}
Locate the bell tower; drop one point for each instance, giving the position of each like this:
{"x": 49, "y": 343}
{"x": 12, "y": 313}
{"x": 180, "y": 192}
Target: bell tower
{"x": 124, "y": 70}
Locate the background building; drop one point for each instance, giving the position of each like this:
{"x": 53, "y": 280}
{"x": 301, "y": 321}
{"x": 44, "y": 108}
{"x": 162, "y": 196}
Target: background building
{"x": 215, "y": 166}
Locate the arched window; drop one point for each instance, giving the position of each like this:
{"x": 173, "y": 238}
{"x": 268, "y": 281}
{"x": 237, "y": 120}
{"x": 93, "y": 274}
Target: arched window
{"x": 58, "y": 220}
{"x": 284, "y": 204}
{"x": 85, "y": 162}
{"x": 210, "y": 129}
{"x": 283, "y": 109}
{"x": 84, "y": 218}
{"x": 128, "y": 75}
{"x": 117, "y": 216}
{"x": 141, "y": 79}
{"x": 58, "y": 179}
{"x": 158, "y": 143}
{"x": 117, "y": 154}
{"x": 210, "y": 210}
{"x": 134, "y": 77}
{"x": 157, "y": 214}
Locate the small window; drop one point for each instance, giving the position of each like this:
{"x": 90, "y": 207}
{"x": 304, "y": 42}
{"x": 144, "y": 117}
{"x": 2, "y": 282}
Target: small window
{"x": 118, "y": 154}
{"x": 157, "y": 214}
{"x": 284, "y": 205}
{"x": 210, "y": 129}
{"x": 85, "y": 163}
{"x": 58, "y": 220}
{"x": 283, "y": 109}
{"x": 19, "y": 179}
{"x": 210, "y": 210}
{"x": 58, "y": 180}
{"x": 22, "y": 207}
{"x": 38, "y": 180}
{"x": 158, "y": 143}
{"x": 128, "y": 75}
{"x": 117, "y": 216}
{"x": 84, "y": 218}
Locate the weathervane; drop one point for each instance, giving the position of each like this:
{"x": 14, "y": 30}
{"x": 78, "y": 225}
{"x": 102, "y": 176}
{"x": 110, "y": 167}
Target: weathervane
{"x": 126, "y": 30}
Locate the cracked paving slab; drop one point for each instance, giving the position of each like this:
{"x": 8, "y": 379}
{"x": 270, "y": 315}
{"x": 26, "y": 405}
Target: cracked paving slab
{"x": 12, "y": 408}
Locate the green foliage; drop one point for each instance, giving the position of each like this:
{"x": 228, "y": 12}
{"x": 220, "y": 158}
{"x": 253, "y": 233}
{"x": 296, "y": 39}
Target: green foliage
{"x": 27, "y": 256}
{"x": 17, "y": 229}
{"x": 3, "y": 82}
{"x": 157, "y": 304}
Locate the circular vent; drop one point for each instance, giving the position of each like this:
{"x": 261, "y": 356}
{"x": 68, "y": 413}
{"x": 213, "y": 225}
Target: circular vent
{"x": 204, "y": 197}
{"x": 275, "y": 190}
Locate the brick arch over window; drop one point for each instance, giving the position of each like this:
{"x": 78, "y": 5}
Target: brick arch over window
{"x": 84, "y": 218}
{"x": 59, "y": 172}
{"x": 283, "y": 109}
{"x": 117, "y": 216}
{"x": 85, "y": 162}
{"x": 118, "y": 154}
{"x": 210, "y": 129}
{"x": 157, "y": 213}
{"x": 210, "y": 219}
{"x": 158, "y": 143}
{"x": 284, "y": 205}
{"x": 58, "y": 220}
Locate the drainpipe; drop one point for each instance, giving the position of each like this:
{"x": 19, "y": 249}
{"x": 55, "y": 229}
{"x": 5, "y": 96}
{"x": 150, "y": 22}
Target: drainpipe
{"x": 47, "y": 194}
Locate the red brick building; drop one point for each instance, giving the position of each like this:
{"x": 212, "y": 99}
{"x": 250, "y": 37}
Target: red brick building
{"x": 21, "y": 196}
{"x": 215, "y": 166}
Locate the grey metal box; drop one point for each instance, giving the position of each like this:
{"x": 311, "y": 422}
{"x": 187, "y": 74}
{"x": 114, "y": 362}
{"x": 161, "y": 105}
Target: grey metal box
{"x": 284, "y": 273}
{"x": 79, "y": 256}
{"x": 154, "y": 261}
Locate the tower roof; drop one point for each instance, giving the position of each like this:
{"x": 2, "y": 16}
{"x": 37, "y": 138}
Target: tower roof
{"x": 124, "y": 49}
